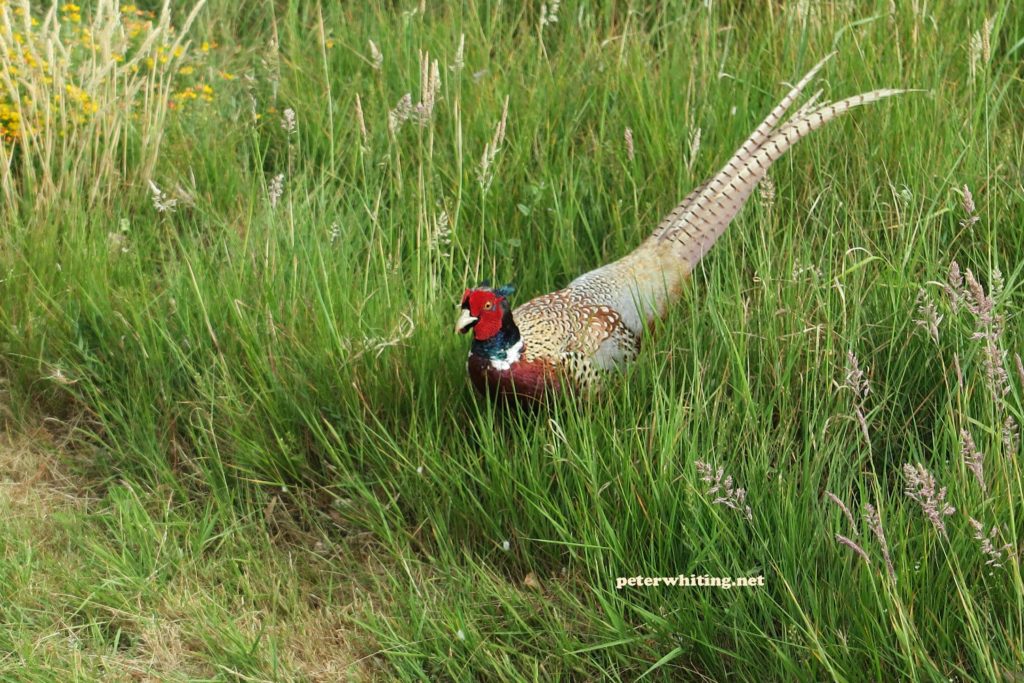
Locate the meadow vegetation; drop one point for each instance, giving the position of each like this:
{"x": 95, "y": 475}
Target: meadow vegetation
{"x": 240, "y": 440}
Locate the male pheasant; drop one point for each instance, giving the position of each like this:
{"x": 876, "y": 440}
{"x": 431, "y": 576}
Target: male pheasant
{"x": 568, "y": 338}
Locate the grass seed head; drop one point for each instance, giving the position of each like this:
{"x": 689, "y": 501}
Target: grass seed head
{"x": 921, "y": 486}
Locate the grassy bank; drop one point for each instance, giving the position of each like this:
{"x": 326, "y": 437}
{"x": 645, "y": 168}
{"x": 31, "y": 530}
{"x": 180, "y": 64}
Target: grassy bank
{"x": 228, "y": 276}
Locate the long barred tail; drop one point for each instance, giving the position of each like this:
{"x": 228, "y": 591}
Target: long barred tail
{"x": 695, "y": 225}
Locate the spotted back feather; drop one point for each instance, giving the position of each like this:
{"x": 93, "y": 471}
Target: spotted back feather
{"x": 576, "y": 332}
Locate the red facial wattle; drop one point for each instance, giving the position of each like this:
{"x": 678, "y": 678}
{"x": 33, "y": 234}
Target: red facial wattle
{"x": 489, "y": 324}
{"x": 486, "y": 307}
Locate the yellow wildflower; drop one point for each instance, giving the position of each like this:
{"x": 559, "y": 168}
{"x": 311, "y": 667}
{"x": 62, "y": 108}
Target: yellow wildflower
{"x": 184, "y": 96}
{"x": 71, "y": 12}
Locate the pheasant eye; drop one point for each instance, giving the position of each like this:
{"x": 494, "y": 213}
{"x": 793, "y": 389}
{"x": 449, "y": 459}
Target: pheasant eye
{"x": 488, "y": 306}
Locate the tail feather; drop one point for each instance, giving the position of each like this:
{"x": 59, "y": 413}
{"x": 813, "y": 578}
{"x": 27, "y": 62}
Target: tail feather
{"x": 695, "y": 225}
{"x": 752, "y": 144}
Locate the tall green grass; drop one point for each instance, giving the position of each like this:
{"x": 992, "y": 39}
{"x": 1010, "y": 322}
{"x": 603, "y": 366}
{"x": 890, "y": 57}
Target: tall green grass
{"x": 238, "y": 346}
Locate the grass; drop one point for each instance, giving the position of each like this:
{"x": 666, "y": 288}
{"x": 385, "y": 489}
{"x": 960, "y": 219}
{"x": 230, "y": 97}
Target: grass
{"x": 271, "y": 464}
{"x": 129, "y": 585}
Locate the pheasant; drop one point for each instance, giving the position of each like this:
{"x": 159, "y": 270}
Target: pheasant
{"x": 568, "y": 339}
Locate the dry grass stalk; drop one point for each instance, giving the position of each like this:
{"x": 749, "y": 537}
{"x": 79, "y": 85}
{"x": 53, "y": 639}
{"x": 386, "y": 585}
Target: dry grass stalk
{"x": 724, "y": 489}
{"x": 485, "y": 174}
{"x": 114, "y": 88}
{"x": 874, "y": 521}
{"x": 853, "y": 546}
{"x": 846, "y": 511}
{"x": 988, "y": 548}
{"x": 973, "y": 458}
{"x": 857, "y": 382}
{"x": 922, "y": 487}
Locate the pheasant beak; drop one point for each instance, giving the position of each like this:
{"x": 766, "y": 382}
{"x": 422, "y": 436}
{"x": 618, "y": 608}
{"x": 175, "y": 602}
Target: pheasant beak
{"x": 466, "y": 322}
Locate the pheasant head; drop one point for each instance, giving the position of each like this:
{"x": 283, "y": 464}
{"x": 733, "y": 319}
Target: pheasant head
{"x": 497, "y": 344}
{"x": 484, "y": 310}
